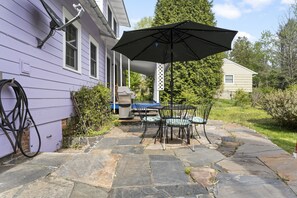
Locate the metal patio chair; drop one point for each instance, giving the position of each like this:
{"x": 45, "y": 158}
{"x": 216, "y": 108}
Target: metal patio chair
{"x": 201, "y": 117}
{"x": 175, "y": 116}
{"x": 146, "y": 119}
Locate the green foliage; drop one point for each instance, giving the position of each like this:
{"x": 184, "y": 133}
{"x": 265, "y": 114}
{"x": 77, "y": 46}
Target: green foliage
{"x": 188, "y": 170}
{"x": 282, "y": 106}
{"x": 193, "y": 80}
{"x": 94, "y": 108}
{"x": 142, "y": 86}
{"x": 287, "y": 44}
{"x": 241, "y": 98}
{"x": 145, "y": 22}
{"x": 258, "y": 94}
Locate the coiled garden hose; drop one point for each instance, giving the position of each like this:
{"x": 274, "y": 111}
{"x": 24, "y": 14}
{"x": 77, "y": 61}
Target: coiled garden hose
{"x": 14, "y": 122}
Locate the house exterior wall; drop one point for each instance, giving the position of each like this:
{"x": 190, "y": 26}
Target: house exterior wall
{"x": 242, "y": 79}
{"x": 40, "y": 71}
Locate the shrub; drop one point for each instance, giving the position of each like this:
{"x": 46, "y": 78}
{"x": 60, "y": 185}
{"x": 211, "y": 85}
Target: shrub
{"x": 241, "y": 98}
{"x": 282, "y": 106}
{"x": 94, "y": 108}
{"x": 258, "y": 94}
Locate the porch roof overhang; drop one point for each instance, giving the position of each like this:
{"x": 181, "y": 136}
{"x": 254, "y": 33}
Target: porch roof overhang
{"x": 97, "y": 16}
{"x": 142, "y": 67}
{"x": 120, "y": 12}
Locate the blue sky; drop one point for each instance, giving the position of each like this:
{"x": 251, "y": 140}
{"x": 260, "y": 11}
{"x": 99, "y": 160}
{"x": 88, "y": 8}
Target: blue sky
{"x": 249, "y": 17}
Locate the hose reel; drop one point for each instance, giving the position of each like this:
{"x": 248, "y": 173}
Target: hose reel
{"x": 16, "y": 121}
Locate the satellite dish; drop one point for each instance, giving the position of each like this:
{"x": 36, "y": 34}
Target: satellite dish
{"x": 56, "y": 23}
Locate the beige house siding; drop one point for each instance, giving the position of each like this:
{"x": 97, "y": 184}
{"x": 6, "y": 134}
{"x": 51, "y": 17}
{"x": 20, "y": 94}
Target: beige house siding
{"x": 242, "y": 78}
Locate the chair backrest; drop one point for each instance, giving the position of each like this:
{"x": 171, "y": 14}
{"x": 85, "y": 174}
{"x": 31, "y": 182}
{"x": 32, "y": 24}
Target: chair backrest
{"x": 177, "y": 111}
{"x": 141, "y": 110}
{"x": 203, "y": 111}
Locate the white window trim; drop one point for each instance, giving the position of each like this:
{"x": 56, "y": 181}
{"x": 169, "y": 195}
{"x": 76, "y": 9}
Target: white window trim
{"x": 66, "y": 14}
{"x": 225, "y": 78}
{"x": 92, "y": 40}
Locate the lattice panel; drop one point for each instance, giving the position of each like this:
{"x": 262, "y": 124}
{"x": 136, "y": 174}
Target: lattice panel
{"x": 160, "y": 76}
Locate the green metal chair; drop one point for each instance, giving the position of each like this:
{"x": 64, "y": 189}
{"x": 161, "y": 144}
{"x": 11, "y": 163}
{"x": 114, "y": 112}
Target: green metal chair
{"x": 175, "y": 116}
{"x": 201, "y": 117}
{"x": 146, "y": 119}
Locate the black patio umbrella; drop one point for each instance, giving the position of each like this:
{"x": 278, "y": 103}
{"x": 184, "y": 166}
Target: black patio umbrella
{"x": 184, "y": 41}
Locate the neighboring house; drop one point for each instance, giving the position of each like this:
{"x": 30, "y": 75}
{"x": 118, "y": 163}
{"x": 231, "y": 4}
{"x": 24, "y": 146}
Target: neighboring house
{"x": 236, "y": 77}
{"x": 68, "y": 60}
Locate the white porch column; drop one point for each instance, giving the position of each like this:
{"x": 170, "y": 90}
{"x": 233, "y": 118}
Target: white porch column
{"x": 113, "y": 81}
{"x": 121, "y": 70}
{"x": 129, "y": 73}
{"x": 159, "y": 81}
{"x": 105, "y": 71}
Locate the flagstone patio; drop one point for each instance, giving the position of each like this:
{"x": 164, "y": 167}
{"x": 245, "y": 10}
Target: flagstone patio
{"x": 239, "y": 163}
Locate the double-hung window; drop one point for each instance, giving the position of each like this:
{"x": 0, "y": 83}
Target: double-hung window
{"x": 72, "y": 44}
{"x": 94, "y": 61}
{"x": 229, "y": 79}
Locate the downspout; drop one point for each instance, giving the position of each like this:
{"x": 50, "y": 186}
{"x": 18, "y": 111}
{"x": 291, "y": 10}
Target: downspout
{"x": 100, "y": 15}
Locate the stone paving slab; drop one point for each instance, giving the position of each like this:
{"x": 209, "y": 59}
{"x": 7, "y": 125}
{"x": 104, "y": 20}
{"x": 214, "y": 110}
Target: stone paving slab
{"x": 93, "y": 169}
{"x": 50, "y": 159}
{"x": 129, "y": 141}
{"x": 247, "y": 166}
{"x": 46, "y": 188}
{"x": 124, "y": 150}
{"x": 21, "y": 175}
{"x": 258, "y": 149}
{"x": 167, "y": 170}
{"x": 138, "y": 192}
{"x": 187, "y": 191}
{"x": 285, "y": 167}
{"x": 201, "y": 156}
{"x": 106, "y": 143}
{"x": 81, "y": 190}
{"x": 133, "y": 170}
{"x": 235, "y": 186}
{"x": 184, "y": 191}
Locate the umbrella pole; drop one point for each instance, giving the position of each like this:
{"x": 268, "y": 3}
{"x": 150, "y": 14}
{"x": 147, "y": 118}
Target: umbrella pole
{"x": 171, "y": 73}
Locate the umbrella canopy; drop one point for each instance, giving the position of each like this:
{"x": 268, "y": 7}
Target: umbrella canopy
{"x": 184, "y": 41}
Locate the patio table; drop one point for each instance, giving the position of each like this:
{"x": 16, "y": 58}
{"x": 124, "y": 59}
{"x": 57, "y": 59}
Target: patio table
{"x": 176, "y": 116}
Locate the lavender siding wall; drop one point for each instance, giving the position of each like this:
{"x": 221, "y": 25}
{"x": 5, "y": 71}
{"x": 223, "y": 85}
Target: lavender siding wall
{"x": 40, "y": 71}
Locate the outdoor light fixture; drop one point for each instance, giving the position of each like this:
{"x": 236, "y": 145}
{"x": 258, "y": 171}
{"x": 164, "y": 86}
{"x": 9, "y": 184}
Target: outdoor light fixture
{"x": 56, "y": 23}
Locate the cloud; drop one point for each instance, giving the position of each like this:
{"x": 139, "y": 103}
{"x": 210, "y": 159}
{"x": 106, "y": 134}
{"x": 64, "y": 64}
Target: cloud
{"x": 227, "y": 10}
{"x": 245, "y": 34}
{"x": 258, "y": 3}
{"x": 288, "y": 1}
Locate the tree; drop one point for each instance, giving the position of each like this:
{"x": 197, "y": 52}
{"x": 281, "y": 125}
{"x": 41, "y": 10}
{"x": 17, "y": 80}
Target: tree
{"x": 200, "y": 78}
{"x": 288, "y": 51}
{"x": 145, "y": 22}
{"x": 259, "y": 57}
{"x": 242, "y": 52}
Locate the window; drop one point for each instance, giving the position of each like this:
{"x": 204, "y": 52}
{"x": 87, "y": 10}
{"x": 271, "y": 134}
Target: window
{"x": 115, "y": 27}
{"x": 228, "y": 78}
{"x": 108, "y": 73}
{"x": 72, "y": 44}
{"x": 109, "y": 15}
{"x": 94, "y": 63}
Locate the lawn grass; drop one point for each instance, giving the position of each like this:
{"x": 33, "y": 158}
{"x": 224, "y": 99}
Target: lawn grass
{"x": 256, "y": 119}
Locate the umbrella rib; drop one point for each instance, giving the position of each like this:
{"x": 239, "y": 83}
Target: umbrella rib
{"x": 147, "y": 47}
{"x": 183, "y": 40}
{"x": 123, "y": 44}
{"x": 207, "y": 41}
